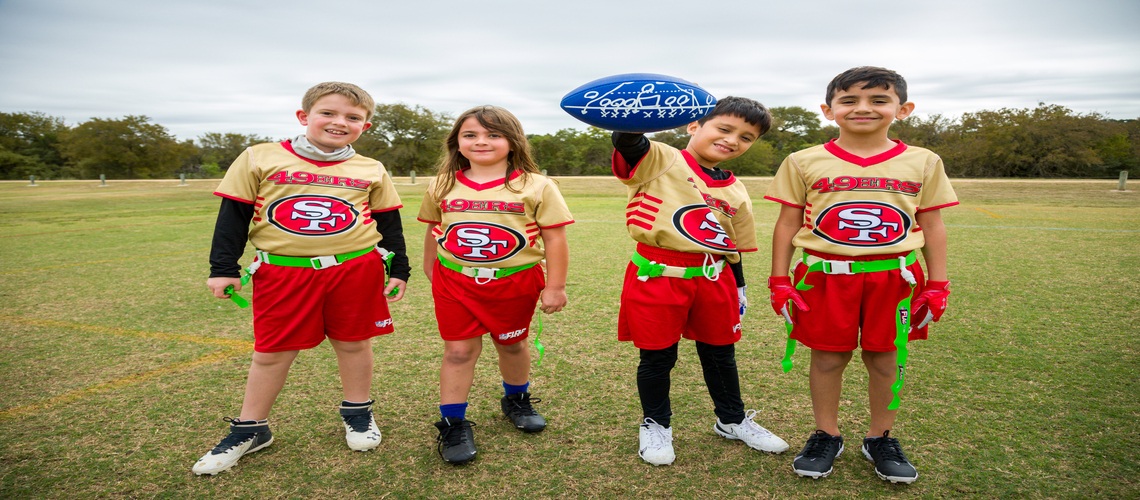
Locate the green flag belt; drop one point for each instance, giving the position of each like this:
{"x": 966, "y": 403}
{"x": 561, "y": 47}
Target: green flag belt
{"x": 319, "y": 262}
{"x": 650, "y": 269}
{"x": 484, "y": 272}
{"x": 902, "y": 310}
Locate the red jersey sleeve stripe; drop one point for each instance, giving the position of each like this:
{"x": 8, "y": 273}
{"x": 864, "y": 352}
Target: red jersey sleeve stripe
{"x": 654, "y": 200}
{"x": 557, "y": 225}
{"x": 921, "y": 210}
{"x": 651, "y": 208}
{"x": 235, "y": 198}
{"x": 397, "y": 207}
{"x": 643, "y": 215}
{"x": 425, "y": 221}
{"x": 635, "y": 222}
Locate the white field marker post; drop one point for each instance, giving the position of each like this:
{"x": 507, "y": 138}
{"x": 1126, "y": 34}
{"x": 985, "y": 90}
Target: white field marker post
{"x": 1123, "y": 180}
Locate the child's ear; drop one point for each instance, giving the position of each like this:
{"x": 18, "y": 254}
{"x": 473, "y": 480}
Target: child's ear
{"x": 827, "y": 112}
{"x": 303, "y": 117}
{"x": 367, "y": 125}
{"x": 692, "y": 128}
{"x": 905, "y": 110}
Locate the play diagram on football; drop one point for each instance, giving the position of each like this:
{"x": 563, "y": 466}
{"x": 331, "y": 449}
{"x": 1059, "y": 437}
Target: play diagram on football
{"x": 638, "y": 102}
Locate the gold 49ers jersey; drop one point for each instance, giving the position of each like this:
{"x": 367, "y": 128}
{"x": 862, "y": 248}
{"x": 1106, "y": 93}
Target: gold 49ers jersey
{"x": 305, "y": 207}
{"x": 861, "y": 206}
{"x": 487, "y": 225}
{"x": 675, "y": 205}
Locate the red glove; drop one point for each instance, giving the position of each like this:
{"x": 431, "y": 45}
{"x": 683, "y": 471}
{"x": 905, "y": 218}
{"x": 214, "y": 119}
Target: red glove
{"x": 783, "y": 291}
{"x": 930, "y": 302}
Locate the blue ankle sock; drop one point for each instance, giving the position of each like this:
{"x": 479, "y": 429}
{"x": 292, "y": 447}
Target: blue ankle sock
{"x": 458, "y": 410}
{"x": 515, "y": 389}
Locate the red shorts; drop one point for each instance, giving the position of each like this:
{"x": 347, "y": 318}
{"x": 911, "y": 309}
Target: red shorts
{"x": 504, "y": 307}
{"x": 295, "y": 308}
{"x": 842, "y": 305}
{"x": 658, "y": 312}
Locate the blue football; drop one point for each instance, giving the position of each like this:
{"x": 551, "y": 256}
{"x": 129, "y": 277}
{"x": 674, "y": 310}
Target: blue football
{"x": 638, "y": 102}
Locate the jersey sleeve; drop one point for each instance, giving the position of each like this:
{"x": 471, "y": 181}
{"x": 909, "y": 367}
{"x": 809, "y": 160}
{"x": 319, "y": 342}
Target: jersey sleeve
{"x": 551, "y": 210}
{"x": 242, "y": 179}
{"x": 430, "y": 212}
{"x": 383, "y": 197}
{"x": 655, "y": 162}
{"x": 936, "y": 190}
{"x": 788, "y": 187}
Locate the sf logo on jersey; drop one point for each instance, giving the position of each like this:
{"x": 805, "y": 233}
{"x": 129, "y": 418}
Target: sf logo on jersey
{"x": 863, "y": 224}
{"x": 699, "y": 225}
{"x": 312, "y": 214}
{"x": 482, "y": 242}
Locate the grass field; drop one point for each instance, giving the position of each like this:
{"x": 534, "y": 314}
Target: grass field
{"x": 117, "y": 365}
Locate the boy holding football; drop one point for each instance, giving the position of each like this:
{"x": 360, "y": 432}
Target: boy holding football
{"x": 859, "y": 207}
{"x": 689, "y": 219}
{"x": 325, "y": 220}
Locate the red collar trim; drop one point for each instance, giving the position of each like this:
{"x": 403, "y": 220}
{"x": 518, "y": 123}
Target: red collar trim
{"x": 459, "y": 176}
{"x": 700, "y": 171}
{"x": 289, "y": 147}
{"x": 832, "y": 148}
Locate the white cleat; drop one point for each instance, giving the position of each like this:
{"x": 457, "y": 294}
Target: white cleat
{"x": 656, "y": 443}
{"x": 755, "y": 436}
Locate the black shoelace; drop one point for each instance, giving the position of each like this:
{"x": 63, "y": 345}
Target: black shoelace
{"x": 453, "y": 435}
{"x": 889, "y": 449}
{"x": 818, "y": 445}
{"x": 523, "y": 407}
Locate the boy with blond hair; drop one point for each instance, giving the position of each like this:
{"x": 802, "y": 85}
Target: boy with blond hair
{"x": 326, "y": 222}
{"x": 859, "y": 206}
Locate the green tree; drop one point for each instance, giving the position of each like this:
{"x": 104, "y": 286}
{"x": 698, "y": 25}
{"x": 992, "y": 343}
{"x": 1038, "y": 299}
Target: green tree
{"x": 30, "y": 145}
{"x": 573, "y": 152}
{"x": 222, "y": 149}
{"x": 405, "y": 138}
{"x": 1046, "y": 141}
{"x": 128, "y": 148}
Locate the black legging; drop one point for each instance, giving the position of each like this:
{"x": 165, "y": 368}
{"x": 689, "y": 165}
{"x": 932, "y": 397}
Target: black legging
{"x": 719, "y": 365}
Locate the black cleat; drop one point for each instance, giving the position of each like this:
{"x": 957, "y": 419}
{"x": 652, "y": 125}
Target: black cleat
{"x": 517, "y": 407}
{"x": 456, "y": 440}
{"x": 818, "y": 456}
{"x": 890, "y": 461}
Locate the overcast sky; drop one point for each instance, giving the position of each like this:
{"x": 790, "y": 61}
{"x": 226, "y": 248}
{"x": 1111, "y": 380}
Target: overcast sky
{"x": 237, "y": 66}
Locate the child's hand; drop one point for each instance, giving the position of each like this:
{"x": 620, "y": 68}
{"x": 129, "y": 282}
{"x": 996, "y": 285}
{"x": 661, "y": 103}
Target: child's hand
{"x": 783, "y": 291}
{"x": 395, "y": 289}
{"x": 552, "y": 300}
{"x": 742, "y": 295}
{"x": 933, "y": 298}
{"x": 218, "y": 286}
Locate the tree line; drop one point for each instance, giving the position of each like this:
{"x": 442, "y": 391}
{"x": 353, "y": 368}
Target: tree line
{"x": 1042, "y": 142}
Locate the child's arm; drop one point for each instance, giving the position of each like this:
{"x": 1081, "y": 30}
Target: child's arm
{"x": 430, "y": 251}
{"x": 934, "y": 294}
{"x": 787, "y": 225}
{"x": 389, "y": 225}
{"x": 553, "y": 297}
{"x": 935, "y": 249}
{"x": 230, "y": 234}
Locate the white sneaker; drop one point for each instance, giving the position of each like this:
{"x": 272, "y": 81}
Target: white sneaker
{"x": 360, "y": 429}
{"x": 245, "y": 437}
{"x": 755, "y": 436}
{"x": 656, "y": 443}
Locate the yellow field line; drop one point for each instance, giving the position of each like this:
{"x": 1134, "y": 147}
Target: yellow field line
{"x": 984, "y": 211}
{"x": 108, "y": 330}
{"x": 103, "y": 261}
{"x": 233, "y": 348}
{"x": 68, "y": 397}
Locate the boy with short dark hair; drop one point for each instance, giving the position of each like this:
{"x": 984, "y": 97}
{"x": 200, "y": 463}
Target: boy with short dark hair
{"x": 689, "y": 218}
{"x": 859, "y": 206}
{"x": 320, "y": 214}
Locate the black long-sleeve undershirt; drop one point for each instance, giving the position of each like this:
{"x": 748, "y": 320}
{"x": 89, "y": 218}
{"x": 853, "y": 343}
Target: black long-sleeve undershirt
{"x": 232, "y": 231}
{"x": 634, "y": 147}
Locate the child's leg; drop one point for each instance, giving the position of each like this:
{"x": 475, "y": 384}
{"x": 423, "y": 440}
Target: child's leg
{"x": 826, "y": 381}
{"x": 267, "y": 375}
{"x": 719, "y": 365}
{"x": 354, "y": 361}
{"x": 653, "y": 383}
{"x": 458, "y": 370}
{"x": 881, "y": 373}
{"x": 514, "y": 362}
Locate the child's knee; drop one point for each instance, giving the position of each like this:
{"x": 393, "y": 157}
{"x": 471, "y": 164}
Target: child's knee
{"x": 459, "y": 353}
{"x": 881, "y": 363}
{"x": 515, "y": 348}
{"x": 830, "y": 361}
